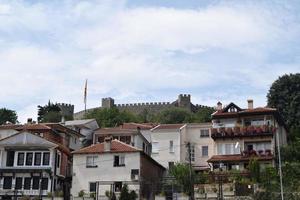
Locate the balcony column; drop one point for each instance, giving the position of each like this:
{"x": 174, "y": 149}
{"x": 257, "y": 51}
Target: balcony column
{"x": 265, "y": 119}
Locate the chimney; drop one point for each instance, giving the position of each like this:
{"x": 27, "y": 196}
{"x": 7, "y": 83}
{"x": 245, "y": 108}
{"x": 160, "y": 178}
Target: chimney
{"x": 219, "y": 106}
{"x": 107, "y": 143}
{"x": 29, "y": 120}
{"x": 250, "y": 104}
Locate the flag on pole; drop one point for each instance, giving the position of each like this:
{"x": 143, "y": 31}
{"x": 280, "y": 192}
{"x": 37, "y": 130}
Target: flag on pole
{"x": 85, "y": 94}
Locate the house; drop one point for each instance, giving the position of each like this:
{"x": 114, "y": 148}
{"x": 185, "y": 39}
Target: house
{"x": 169, "y": 144}
{"x": 52, "y": 131}
{"x": 137, "y": 135}
{"x": 85, "y": 127}
{"x": 31, "y": 141}
{"x": 32, "y": 165}
{"x": 107, "y": 166}
{"x": 242, "y": 134}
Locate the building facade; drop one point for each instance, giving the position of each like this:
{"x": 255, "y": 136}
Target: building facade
{"x": 169, "y": 144}
{"x": 244, "y": 134}
{"x": 32, "y": 166}
{"x": 106, "y": 167}
{"x": 130, "y": 133}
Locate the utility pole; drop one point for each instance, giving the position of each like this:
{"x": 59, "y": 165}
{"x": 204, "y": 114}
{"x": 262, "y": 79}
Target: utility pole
{"x": 280, "y": 170}
{"x": 190, "y": 167}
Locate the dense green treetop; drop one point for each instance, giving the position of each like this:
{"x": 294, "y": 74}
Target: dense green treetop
{"x": 284, "y": 95}
{"x": 8, "y": 115}
{"x": 49, "y": 113}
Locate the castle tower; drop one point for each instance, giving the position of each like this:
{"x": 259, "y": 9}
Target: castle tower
{"x": 108, "y": 102}
{"x": 184, "y": 101}
{"x": 67, "y": 110}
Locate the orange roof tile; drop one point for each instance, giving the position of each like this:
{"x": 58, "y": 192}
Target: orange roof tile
{"x": 116, "y": 147}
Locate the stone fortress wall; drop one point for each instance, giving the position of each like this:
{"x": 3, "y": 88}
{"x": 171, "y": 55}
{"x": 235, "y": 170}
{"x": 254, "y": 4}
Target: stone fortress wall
{"x": 183, "y": 101}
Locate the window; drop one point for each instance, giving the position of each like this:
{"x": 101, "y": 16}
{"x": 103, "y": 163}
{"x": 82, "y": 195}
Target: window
{"x": 192, "y": 153}
{"x": 91, "y": 161}
{"x": 58, "y": 160}
{"x": 27, "y": 183}
{"x": 37, "y": 159}
{"x": 171, "y": 165}
{"x": 19, "y": 182}
{"x": 92, "y": 186}
{"x": 204, "y": 151}
{"x": 155, "y": 147}
{"x": 35, "y": 183}
{"x": 119, "y": 161}
{"x": 144, "y": 146}
{"x": 204, "y": 133}
{"x": 171, "y": 147}
{"x": 134, "y": 174}
{"x": 20, "y": 159}
{"x": 101, "y": 139}
{"x": 125, "y": 139}
{"x": 29, "y": 158}
{"x": 46, "y": 158}
{"x": 7, "y": 182}
{"x": 10, "y": 158}
{"x": 118, "y": 186}
{"x": 44, "y": 184}
{"x": 228, "y": 149}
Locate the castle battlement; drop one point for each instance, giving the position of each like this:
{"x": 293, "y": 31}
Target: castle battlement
{"x": 183, "y": 101}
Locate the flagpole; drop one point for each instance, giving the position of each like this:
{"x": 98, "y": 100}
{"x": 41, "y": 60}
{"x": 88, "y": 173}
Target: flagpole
{"x": 85, "y": 95}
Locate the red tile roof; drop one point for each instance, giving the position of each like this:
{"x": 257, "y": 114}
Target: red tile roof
{"x": 142, "y": 126}
{"x": 24, "y": 127}
{"x": 236, "y": 157}
{"x": 116, "y": 147}
{"x": 116, "y": 130}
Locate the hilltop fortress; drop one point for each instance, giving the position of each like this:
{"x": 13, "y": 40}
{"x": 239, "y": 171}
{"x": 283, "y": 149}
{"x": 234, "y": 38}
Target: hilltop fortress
{"x": 183, "y": 101}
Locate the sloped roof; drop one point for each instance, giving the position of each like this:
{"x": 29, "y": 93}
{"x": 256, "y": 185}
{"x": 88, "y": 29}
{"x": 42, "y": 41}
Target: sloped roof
{"x": 115, "y": 130}
{"x": 167, "y": 126}
{"x": 78, "y": 122}
{"x": 40, "y": 127}
{"x": 142, "y": 126}
{"x": 116, "y": 147}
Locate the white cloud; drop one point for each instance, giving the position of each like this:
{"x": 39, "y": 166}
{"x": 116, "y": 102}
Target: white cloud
{"x": 47, "y": 50}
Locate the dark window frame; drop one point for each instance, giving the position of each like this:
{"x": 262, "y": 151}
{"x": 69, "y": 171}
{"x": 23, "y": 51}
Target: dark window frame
{"x": 18, "y": 183}
{"x": 29, "y": 159}
{"x": 35, "y": 159}
{"x": 19, "y": 163}
{"x": 92, "y": 186}
{"x": 7, "y": 182}
{"x": 27, "y": 183}
{"x": 46, "y": 162}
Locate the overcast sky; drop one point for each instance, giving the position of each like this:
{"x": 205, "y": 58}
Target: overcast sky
{"x": 140, "y": 51}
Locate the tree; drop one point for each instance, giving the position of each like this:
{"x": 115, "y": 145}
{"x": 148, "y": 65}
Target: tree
{"x": 203, "y": 115}
{"x": 174, "y": 116}
{"x": 181, "y": 173}
{"x": 126, "y": 195}
{"x": 8, "y": 115}
{"x": 111, "y": 117}
{"x": 284, "y": 95}
{"x": 49, "y": 113}
{"x": 254, "y": 170}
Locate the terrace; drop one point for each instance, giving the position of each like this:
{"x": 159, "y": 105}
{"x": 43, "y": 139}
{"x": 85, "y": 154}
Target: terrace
{"x": 239, "y": 132}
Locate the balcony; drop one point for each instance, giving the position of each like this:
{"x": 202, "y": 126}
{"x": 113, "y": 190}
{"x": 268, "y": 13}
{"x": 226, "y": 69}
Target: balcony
{"x": 239, "y": 132}
{"x": 245, "y": 156}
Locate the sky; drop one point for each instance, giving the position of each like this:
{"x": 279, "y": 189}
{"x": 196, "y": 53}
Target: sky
{"x": 144, "y": 51}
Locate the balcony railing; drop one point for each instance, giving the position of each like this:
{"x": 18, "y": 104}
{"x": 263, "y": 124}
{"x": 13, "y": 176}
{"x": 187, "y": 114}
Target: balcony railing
{"x": 259, "y": 153}
{"x": 249, "y": 131}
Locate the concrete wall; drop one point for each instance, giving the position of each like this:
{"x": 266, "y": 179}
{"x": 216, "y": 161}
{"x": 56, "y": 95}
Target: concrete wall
{"x": 192, "y": 132}
{"x": 104, "y": 172}
{"x": 163, "y": 137}
{"x": 7, "y": 132}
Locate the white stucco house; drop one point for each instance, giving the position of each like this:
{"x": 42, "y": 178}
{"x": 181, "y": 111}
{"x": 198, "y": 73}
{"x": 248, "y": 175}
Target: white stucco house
{"x": 169, "y": 144}
{"x": 109, "y": 165}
